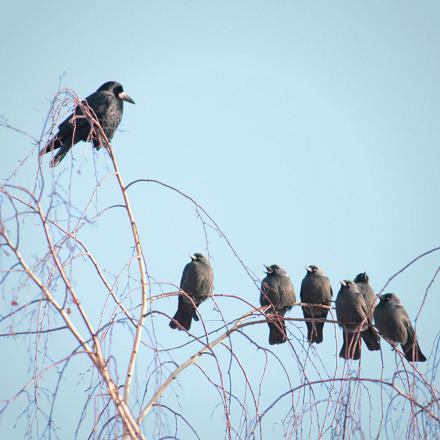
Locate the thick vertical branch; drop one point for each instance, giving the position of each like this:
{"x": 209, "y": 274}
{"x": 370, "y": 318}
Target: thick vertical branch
{"x": 142, "y": 272}
{"x": 89, "y": 114}
{"x": 140, "y": 258}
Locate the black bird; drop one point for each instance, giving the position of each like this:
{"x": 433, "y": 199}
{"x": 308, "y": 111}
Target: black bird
{"x": 278, "y": 293}
{"x": 196, "y": 284}
{"x": 393, "y": 322}
{"x": 108, "y": 105}
{"x": 315, "y": 289}
{"x": 363, "y": 284}
{"x": 352, "y": 314}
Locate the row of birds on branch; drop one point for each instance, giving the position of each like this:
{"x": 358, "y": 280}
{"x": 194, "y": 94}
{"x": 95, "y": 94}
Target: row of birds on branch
{"x": 355, "y": 301}
{"x": 355, "y": 308}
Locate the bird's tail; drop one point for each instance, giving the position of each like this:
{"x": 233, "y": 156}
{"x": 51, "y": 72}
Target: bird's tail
{"x": 183, "y": 316}
{"x": 412, "y": 351}
{"x": 277, "y": 331}
{"x": 371, "y": 339}
{"x": 314, "y": 332}
{"x": 351, "y": 348}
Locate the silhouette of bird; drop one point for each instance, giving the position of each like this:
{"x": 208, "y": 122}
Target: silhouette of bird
{"x": 315, "y": 289}
{"x": 107, "y": 104}
{"x": 196, "y": 284}
{"x": 353, "y": 316}
{"x": 278, "y": 293}
{"x": 393, "y": 322}
{"x": 362, "y": 281}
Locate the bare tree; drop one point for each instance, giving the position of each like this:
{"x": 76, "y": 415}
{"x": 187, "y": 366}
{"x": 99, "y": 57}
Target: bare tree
{"x": 105, "y": 334}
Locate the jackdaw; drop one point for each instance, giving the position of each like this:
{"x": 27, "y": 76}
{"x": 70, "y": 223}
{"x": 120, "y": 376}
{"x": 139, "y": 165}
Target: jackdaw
{"x": 107, "y": 104}
{"x": 393, "y": 322}
{"x": 196, "y": 284}
{"x": 315, "y": 289}
{"x": 352, "y": 314}
{"x": 278, "y": 293}
{"x": 362, "y": 282}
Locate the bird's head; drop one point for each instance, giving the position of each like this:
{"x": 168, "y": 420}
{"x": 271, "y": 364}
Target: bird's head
{"x": 362, "y": 278}
{"x": 312, "y": 269}
{"x": 274, "y": 269}
{"x": 348, "y": 285}
{"x": 389, "y": 297}
{"x": 199, "y": 257}
{"x": 117, "y": 89}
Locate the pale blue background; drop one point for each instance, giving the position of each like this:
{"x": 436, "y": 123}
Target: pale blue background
{"x": 308, "y": 130}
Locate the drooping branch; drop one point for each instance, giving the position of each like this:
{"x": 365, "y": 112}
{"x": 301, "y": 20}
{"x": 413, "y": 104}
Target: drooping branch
{"x": 96, "y": 355}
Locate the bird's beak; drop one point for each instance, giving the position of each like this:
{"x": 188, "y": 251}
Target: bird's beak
{"x": 268, "y": 269}
{"x": 343, "y": 283}
{"x": 308, "y": 269}
{"x": 193, "y": 257}
{"x": 127, "y": 98}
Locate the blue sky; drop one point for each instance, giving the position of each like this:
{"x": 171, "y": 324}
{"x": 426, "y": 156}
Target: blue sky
{"x": 308, "y": 131}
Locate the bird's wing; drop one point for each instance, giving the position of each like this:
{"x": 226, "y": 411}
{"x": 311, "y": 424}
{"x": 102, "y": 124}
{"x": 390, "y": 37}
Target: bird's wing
{"x": 302, "y": 291}
{"x": 204, "y": 280}
{"x": 339, "y": 307}
{"x": 197, "y": 281}
{"x": 363, "y": 309}
{"x": 403, "y": 315}
{"x": 74, "y": 122}
{"x": 411, "y": 334}
{"x": 184, "y": 274}
{"x": 267, "y": 293}
{"x": 406, "y": 321}
{"x": 99, "y": 102}
{"x": 288, "y": 293}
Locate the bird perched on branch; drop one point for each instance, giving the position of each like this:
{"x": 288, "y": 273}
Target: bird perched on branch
{"x": 278, "y": 293}
{"x": 106, "y": 105}
{"x": 315, "y": 289}
{"x": 196, "y": 284}
{"x": 353, "y": 316}
{"x": 393, "y": 322}
{"x": 362, "y": 281}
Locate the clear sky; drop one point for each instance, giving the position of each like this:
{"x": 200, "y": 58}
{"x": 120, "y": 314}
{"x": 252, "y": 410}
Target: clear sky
{"x": 308, "y": 130}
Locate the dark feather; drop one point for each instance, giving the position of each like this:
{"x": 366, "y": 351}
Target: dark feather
{"x": 351, "y": 348}
{"x": 411, "y": 348}
{"x": 106, "y": 106}
{"x": 277, "y": 331}
{"x": 371, "y": 339}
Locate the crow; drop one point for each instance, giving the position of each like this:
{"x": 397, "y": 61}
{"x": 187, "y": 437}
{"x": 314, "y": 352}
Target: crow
{"x": 278, "y": 293}
{"x": 393, "y": 322}
{"x": 107, "y": 104}
{"x": 196, "y": 284}
{"x": 315, "y": 289}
